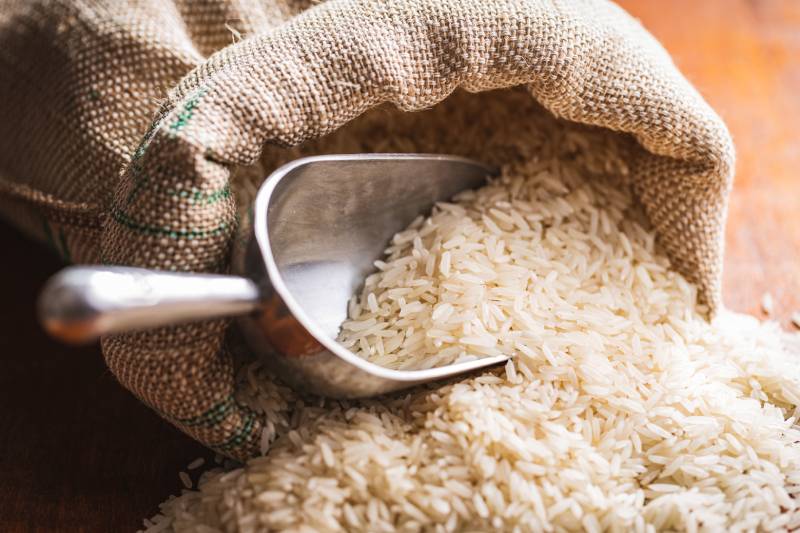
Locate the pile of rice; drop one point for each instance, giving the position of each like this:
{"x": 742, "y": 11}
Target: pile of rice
{"x": 621, "y": 409}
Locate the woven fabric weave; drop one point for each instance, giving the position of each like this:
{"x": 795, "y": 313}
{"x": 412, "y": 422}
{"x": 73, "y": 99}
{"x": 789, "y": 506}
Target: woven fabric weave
{"x": 122, "y": 120}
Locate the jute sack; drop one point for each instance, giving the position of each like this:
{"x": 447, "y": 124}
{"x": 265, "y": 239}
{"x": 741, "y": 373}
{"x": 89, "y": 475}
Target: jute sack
{"x": 120, "y": 123}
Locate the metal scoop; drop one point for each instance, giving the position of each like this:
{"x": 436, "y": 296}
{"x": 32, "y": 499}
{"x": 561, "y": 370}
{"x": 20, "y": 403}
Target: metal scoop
{"x": 319, "y": 224}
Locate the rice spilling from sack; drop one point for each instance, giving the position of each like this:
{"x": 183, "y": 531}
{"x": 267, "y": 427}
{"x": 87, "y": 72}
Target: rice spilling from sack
{"x": 621, "y": 408}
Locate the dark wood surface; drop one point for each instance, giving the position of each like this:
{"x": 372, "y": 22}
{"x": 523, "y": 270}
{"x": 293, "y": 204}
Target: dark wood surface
{"x": 78, "y": 453}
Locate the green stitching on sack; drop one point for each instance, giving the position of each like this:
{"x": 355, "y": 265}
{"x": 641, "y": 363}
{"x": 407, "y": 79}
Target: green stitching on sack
{"x": 212, "y": 416}
{"x": 197, "y": 196}
{"x": 209, "y": 198}
{"x": 139, "y": 227}
{"x": 240, "y": 437}
{"x": 186, "y": 113}
{"x": 194, "y": 195}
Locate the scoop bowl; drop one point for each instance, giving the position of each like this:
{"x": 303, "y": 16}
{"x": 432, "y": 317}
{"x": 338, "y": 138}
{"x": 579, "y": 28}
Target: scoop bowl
{"x": 318, "y": 225}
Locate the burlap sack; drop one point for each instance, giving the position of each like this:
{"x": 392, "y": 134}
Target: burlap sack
{"x": 121, "y": 120}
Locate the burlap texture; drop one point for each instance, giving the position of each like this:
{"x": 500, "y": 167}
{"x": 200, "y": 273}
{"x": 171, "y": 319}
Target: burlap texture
{"x": 201, "y": 86}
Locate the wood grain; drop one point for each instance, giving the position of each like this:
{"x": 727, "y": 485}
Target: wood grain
{"x": 78, "y": 453}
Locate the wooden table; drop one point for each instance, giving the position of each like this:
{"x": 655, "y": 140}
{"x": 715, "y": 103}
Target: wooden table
{"x": 79, "y": 453}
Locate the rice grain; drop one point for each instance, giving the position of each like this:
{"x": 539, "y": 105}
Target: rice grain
{"x": 621, "y": 409}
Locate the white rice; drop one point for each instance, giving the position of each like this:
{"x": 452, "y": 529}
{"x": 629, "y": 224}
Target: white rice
{"x": 185, "y": 479}
{"x": 197, "y": 463}
{"x": 622, "y": 409}
{"x": 489, "y": 273}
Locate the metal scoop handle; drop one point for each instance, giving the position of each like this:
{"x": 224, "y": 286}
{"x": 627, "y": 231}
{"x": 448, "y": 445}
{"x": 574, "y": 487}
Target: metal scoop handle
{"x": 81, "y": 303}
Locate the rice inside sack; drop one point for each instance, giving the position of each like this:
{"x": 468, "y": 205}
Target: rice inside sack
{"x": 622, "y": 409}
{"x": 500, "y": 270}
